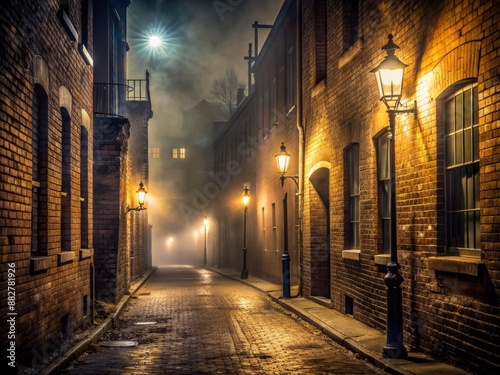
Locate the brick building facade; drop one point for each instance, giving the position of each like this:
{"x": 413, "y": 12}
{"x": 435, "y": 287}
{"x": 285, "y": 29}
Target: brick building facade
{"x": 46, "y": 168}
{"x": 447, "y": 194}
{"x": 244, "y": 154}
{"x": 57, "y": 146}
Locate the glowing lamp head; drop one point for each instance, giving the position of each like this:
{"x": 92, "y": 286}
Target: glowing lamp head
{"x": 205, "y": 221}
{"x": 245, "y": 196}
{"x": 282, "y": 160}
{"x": 141, "y": 193}
{"x": 389, "y": 74}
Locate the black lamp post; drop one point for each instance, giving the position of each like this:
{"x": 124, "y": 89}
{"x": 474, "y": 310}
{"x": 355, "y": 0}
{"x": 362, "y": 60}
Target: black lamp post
{"x": 389, "y": 74}
{"x": 282, "y": 162}
{"x": 205, "y": 223}
{"x": 141, "y": 197}
{"x": 245, "y": 198}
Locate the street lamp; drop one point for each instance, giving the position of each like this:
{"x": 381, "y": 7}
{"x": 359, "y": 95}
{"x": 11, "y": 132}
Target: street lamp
{"x": 389, "y": 74}
{"x": 205, "y": 223}
{"x": 245, "y": 197}
{"x": 282, "y": 162}
{"x": 141, "y": 197}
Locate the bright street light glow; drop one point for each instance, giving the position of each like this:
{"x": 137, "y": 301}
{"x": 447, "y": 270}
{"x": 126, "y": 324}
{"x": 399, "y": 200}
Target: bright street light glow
{"x": 155, "y": 41}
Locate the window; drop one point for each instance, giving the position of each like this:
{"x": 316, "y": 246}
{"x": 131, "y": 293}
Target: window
{"x": 350, "y": 23}
{"x": 275, "y": 234}
{"x": 273, "y": 112}
{"x": 291, "y": 79}
{"x": 40, "y": 139}
{"x": 320, "y": 38}
{"x": 84, "y": 188}
{"x": 83, "y": 46}
{"x": 384, "y": 173}
{"x": 66, "y": 182}
{"x": 264, "y": 229}
{"x": 352, "y": 161}
{"x": 155, "y": 153}
{"x": 462, "y": 172}
{"x": 182, "y": 153}
{"x": 175, "y": 153}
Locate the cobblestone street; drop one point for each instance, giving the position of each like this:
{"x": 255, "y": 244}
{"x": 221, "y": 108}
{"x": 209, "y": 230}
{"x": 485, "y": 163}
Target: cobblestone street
{"x": 209, "y": 324}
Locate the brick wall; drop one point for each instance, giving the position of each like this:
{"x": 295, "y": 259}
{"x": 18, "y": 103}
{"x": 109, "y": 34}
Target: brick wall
{"x": 38, "y": 55}
{"x": 452, "y": 315}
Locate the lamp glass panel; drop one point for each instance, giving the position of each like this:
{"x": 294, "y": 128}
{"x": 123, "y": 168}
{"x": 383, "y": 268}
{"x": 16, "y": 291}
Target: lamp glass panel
{"x": 391, "y": 82}
{"x": 142, "y": 196}
{"x": 282, "y": 161}
{"x": 245, "y": 198}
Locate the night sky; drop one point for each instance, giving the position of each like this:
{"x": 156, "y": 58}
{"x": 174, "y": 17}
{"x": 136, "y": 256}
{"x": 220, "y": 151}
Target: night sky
{"x": 202, "y": 38}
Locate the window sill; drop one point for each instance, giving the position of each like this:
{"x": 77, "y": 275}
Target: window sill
{"x": 319, "y": 88}
{"x": 455, "y": 264}
{"x": 68, "y": 25}
{"x": 38, "y": 264}
{"x": 85, "y": 54}
{"x": 65, "y": 257}
{"x": 86, "y": 253}
{"x": 351, "y": 254}
{"x": 351, "y": 52}
{"x": 382, "y": 259}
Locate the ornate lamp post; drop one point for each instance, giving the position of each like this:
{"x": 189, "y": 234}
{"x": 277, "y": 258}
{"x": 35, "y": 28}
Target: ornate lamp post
{"x": 141, "y": 197}
{"x": 205, "y": 223}
{"x": 245, "y": 198}
{"x": 282, "y": 162}
{"x": 389, "y": 74}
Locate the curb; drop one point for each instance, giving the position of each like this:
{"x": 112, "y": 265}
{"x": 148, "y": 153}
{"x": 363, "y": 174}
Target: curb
{"x": 83, "y": 345}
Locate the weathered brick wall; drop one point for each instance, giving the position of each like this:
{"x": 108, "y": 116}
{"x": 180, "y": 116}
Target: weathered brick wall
{"x": 450, "y": 315}
{"x": 37, "y": 52}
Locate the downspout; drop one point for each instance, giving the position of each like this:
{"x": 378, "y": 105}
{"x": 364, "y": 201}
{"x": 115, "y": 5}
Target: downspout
{"x": 300, "y": 128}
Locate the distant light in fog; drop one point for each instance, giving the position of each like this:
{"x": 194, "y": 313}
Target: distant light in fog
{"x": 155, "y": 41}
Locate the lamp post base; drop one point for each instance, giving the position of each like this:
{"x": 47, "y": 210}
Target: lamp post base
{"x": 244, "y": 274}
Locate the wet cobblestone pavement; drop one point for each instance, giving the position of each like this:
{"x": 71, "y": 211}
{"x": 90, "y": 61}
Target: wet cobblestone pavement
{"x": 206, "y": 323}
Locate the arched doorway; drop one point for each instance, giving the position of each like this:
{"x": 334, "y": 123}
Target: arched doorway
{"x": 320, "y": 231}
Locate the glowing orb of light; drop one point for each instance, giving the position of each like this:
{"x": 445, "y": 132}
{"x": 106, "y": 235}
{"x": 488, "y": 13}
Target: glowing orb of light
{"x": 155, "y": 41}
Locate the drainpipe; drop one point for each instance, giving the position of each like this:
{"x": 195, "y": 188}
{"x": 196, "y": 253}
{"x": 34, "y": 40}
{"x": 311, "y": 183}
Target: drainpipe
{"x": 300, "y": 128}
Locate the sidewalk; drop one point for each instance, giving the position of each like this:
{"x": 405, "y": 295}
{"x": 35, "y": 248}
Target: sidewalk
{"x": 346, "y": 331}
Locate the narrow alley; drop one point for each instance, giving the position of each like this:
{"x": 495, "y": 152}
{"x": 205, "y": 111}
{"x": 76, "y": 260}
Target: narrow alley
{"x": 188, "y": 320}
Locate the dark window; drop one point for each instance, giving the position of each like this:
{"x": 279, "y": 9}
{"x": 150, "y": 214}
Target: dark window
{"x": 384, "y": 187}
{"x": 66, "y": 182}
{"x": 84, "y": 187}
{"x": 462, "y": 172}
{"x": 352, "y": 162}
{"x": 350, "y": 28}
{"x": 320, "y": 38}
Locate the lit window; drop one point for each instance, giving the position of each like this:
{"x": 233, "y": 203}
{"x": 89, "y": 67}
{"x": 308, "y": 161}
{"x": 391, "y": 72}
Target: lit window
{"x": 175, "y": 153}
{"x": 155, "y": 153}
{"x": 462, "y": 172}
{"x": 182, "y": 153}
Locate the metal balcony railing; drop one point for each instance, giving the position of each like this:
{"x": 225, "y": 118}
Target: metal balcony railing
{"x": 109, "y": 99}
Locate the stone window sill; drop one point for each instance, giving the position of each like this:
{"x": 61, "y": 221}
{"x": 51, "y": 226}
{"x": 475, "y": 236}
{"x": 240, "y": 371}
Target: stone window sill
{"x": 86, "y": 253}
{"x": 351, "y": 254}
{"x": 38, "y": 264}
{"x": 65, "y": 257}
{"x": 350, "y": 53}
{"x": 382, "y": 259}
{"x": 456, "y": 264}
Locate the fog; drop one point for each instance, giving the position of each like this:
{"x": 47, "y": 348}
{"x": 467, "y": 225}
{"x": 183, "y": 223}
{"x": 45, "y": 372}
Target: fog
{"x": 201, "y": 39}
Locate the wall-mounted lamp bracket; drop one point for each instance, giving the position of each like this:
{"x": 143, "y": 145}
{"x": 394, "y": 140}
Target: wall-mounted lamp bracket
{"x": 140, "y": 208}
{"x": 295, "y": 179}
{"x": 405, "y": 109}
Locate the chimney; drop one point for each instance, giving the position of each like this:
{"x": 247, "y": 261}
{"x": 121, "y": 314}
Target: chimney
{"x": 240, "y": 95}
